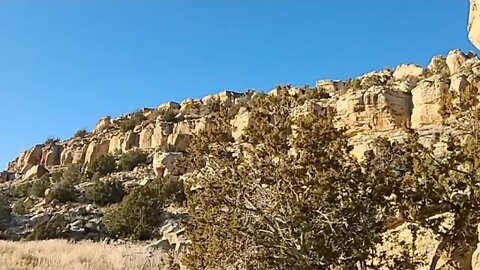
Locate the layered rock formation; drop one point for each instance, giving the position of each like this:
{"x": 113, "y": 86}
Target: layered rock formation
{"x": 392, "y": 103}
{"x": 474, "y": 23}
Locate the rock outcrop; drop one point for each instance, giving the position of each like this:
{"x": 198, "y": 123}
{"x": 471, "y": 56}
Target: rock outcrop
{"x": 474, "y": 23}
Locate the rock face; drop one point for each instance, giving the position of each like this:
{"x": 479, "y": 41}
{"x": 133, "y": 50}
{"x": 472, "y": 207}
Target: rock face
{"x": 377, "y": 108}
{"x": 474, "y": 23}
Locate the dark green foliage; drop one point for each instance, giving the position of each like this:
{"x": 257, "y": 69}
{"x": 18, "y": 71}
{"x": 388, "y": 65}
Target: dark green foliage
{"x": 291, "y": 211}
{"x": 135, "y": 119}
{"x": 130, "y": 160}
{"x": 74, "y": 174}
{"x": 39, "y": 186}
{"x": 80, "y": 133}
{"x": 51, "y": 140}
{"x": 22, "y": 190}
{"x": 19, "y": 208}
{"x": 63, "y": 191}
{"x": 139, "y": 212}
{"x": 104, "y": 193}
{"x": 103, "y": 165}
{"x": 5, "y": 212}
{"x": 51, "y": 229}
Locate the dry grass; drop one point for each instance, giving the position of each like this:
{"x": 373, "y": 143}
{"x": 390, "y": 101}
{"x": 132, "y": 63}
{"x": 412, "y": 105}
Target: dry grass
{"x": 61, "y": 255}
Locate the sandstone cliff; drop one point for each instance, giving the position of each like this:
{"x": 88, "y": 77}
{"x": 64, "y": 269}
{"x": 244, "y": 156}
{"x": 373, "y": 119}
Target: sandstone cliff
{"x": 391, "y": 103}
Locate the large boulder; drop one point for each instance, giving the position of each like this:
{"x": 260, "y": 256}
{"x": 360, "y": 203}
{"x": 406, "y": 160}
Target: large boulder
{"x": 426, "y": 99}
{"x": 145, "y": 138}
{"x": 455, "y": 61}
{"x": 51, "y": 155}
{"x": 35, "y": 172}
{"x": 405, "y": 71}
{"x": 96, "y": 149}
{"x": 29, "y": 158}
{"x": 103, "y": 124}
{"x": 160, "y": 133}
{"x": 474, "y": 23}
{"x": 163, "y": 163}
{"x": 179, "y": 142}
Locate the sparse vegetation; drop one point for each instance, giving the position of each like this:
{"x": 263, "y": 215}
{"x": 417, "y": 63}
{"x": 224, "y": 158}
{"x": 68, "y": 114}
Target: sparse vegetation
{"x": 105, "y": 193}
{"x": 51, "y": 229}
{"x": 63, "y": 191}
{"x": 131, "y": 159}
{"x": 39, "y": 186}
{"x": 135, "y": 119}
{"x": 140, "y": 211}
{"x": 103, "y": 165}
{"x": 51, "y": 140}
{"x": 80, "y": 133}
{"x": 5, "y": 213}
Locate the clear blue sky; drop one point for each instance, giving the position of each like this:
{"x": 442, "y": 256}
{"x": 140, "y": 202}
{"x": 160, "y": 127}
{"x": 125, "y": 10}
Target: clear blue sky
{"x": 65, "y": 64}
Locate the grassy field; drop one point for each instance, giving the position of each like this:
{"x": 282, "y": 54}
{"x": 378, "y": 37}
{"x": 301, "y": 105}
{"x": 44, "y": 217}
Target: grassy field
{"x": 61, "y": 255}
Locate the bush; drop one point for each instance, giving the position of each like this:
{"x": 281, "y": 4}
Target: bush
{"x": 139, "y": 212}
{"x": 104, "y": 193}
{"x": 292, "y": 211}
{"x": 130, "y": 160}
{"x": 5, "y": 213}
{"x": 51, "y": 140}
{"x": 22, "y": 190}
{"x": 103, "y": 165}
{"x": 51, "y": 229}
{"x": 63, "y": 191}
{"x": 135, "y": 119}
{"x": 74, "y": 174}
{"x": 39, "y": 186}
{"x": 80, "y": 133}
{"x": 19, "y": 208}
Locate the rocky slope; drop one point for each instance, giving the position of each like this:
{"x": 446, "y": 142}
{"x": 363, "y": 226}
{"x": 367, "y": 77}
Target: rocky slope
{"x": 391, "y": 103}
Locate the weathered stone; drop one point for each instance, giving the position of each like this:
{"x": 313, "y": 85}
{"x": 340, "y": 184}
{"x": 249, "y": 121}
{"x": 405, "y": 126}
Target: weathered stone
{"x": 6, "y": 176}
{"x": 145, "y": 138}
{"x": 179, "y": 142}
{"x": 330, "y": 86}
{"x": 96, "y": 149}
{"x": 173, "y": 107}
{"x": 375, "y": 109}
{"x": 426, "y": 98}
{"x": 240, "y": 123}
{"x": 455, "y": 60}
{"x": 36, "y": 171}
{"x": 405, "y": 71}
{"x": 103, "y": 124}
{"x": 131, "y": 140}
{"x": 160, "y": 133}
{"x": 474, "y": 23}
{"x": 163, "y": 163}
{"x": 29, "y": 158}
{"x": 51, "y": 155}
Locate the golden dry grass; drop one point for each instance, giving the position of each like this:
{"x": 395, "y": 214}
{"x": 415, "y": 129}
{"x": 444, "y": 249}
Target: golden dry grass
{"x": 61, "y": 255}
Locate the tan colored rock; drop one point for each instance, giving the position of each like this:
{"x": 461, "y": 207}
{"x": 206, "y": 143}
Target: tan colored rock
{"x": 51, "y": 155}
{"x": 145, "y": 138}
{"x": 131, "y": 140}
{"x": 96, "y": 149}
{"x": 405, "y": 71}
{"x": 163, "y": 163}
{"x": 103, "y": 124}
{"x": 474, "y": 23}
{"x": 29, "y": 158}
{"x": 35, "y": 172}
{"x": 438, "y": 65}
{"x": 426, "y": 99}
{"x": 420, "y": 243}
{"x": 171, "y": 106}
{"x": 330, "y": 86}
{"x": 160, "y": 133}
{"x": 191, "y": 107}
{"x": 74, "y": 153}
{"x": 227, "y": 98}
{"x": 240, "y": 123}
{"x": 179, "y": 142}
{"x": 455, "y": 61}
{"x": 375, "y": 109}
{"x": 115, "y": 143}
